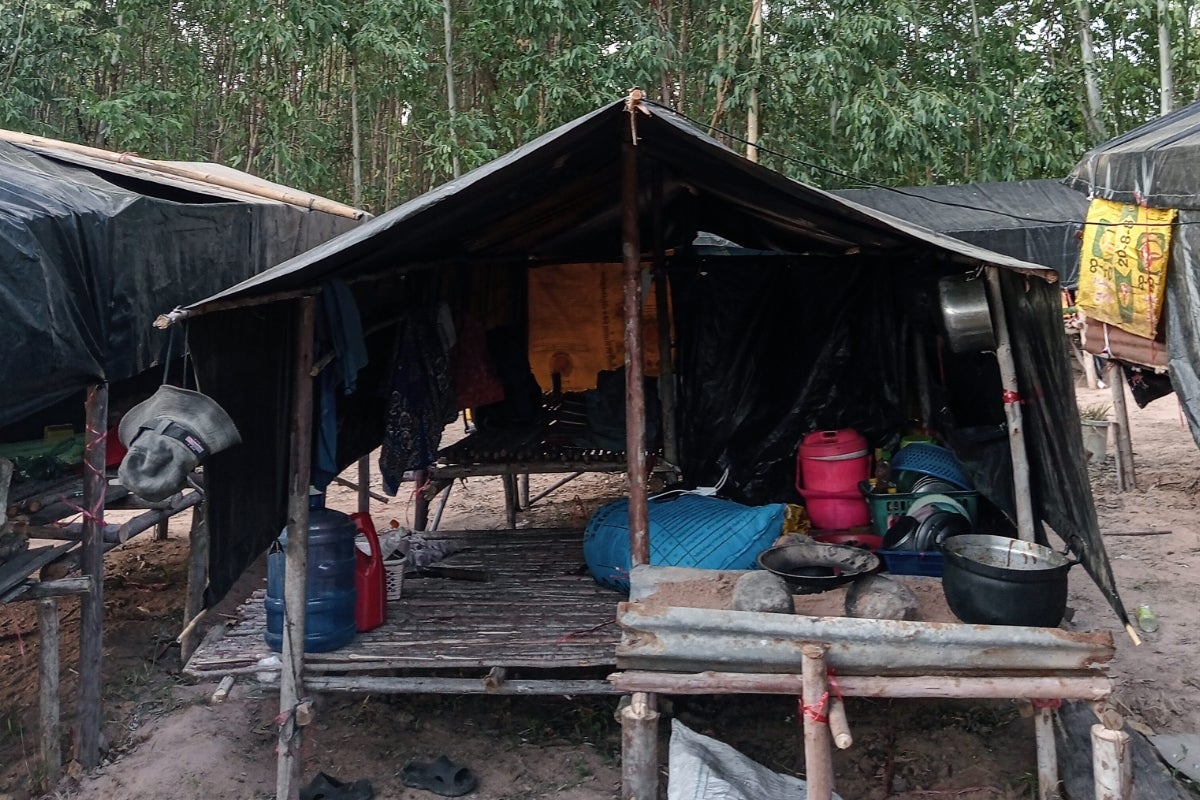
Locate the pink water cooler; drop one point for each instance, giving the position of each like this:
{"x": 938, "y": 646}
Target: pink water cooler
{"x": 829, "y": 467}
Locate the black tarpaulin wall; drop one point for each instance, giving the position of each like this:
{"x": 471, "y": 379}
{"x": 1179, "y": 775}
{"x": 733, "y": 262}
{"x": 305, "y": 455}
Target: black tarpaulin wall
{"x": 1036, "y": 221}
{"x": 87, "y": 263}
{"x": 772, "y": 349}
{"x": 1183, "y": 315}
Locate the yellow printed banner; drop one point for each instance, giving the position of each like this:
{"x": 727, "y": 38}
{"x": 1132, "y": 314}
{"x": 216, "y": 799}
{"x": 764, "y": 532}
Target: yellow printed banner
{"x": 1123, "y": 268}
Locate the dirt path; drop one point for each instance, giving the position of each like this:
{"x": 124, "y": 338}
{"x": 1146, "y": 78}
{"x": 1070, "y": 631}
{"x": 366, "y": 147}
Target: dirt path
{"x": 166, "y": 741}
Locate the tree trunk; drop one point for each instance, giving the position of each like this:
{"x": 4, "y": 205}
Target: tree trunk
{"x": 355, "y": 139}
{"x": 1166, "y": 78}
{"x": 1093, "y": 113}
{"x": 450, "y": 102}
{"x": 756, "y": 22}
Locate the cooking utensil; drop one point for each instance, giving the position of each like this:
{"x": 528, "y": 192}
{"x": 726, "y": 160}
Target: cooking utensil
{"x": 966, "y": 314}
{"x": 994, "y": 580}
{"x": 811, "y": 567}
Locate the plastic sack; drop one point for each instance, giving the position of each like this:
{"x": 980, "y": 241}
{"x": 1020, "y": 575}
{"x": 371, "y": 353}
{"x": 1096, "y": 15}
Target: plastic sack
{"x": 701, "y": 768}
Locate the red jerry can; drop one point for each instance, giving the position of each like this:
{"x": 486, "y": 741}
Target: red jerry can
{"x": 370, "y": 607}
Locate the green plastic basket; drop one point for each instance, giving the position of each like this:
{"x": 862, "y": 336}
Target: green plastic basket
{"x": 886, "y": 508}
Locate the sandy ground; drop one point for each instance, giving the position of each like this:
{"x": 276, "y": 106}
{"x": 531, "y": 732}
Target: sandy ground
{"x": 166, "y": 741}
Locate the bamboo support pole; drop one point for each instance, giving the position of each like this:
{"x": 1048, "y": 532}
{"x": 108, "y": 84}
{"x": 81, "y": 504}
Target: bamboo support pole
{"x": 91, "y": 634}
{"x": 523, "y": 490}
{"x": 1111, "y": 764}
{"x": 818, "y": 754}
{"x": 291, "y": 687}
{"x": 1122, "y": 440}
{"x": 839, "y": 726}
{"x": 1012, "y": 407}
{"x": 1084, "y": 687}
{"x": 639, "y": 748}
{"x": 179, "y": 171}
{"x": 437, "y": 516}
{"x": 554, "y": 487}
{"x": 197, "y": 581}
{"x": 1047, "y": 756}
{"x": 48, "y": 696}
{"x": 365, "y": 495}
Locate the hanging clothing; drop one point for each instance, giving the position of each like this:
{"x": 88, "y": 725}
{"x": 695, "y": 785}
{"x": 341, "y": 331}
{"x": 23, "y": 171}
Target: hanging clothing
{"x": 421, "y": 400}
{"x": 338, "y": 327}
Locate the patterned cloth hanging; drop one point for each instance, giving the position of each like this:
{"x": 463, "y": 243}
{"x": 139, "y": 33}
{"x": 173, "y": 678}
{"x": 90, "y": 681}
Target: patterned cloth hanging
{"x": 421, "y": 399}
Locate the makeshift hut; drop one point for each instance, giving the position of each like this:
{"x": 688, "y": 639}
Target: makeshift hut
{"x": 827, "y": 320}
{"x": 93, "y": 244}
{"x": 1151, "y": 167}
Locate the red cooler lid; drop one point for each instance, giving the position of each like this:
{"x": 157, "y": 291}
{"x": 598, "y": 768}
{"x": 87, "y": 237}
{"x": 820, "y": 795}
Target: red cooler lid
{"x": 819, "y": 444}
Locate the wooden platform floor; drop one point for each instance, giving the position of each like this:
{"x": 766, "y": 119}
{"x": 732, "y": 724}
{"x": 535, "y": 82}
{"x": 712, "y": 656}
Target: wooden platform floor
{"x": 541, "y": 610}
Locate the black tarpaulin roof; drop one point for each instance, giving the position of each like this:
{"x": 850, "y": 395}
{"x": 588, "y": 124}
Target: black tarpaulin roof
{"x": 1156, "y": 165}
{"x": 557, "y": 200}
{"x": 91, "y": 251}
{"x": 1036, "y": 221}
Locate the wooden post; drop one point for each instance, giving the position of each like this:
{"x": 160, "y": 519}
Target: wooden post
{"x": 295, "y": 588}
{"x": 1122, "y": 440}
{"x": 1111, "y": 764}
{"x": 420, "y": 501}
{"x": 48, "y": 698}
{"x": 818, "y": 751}
{"x": 639, "y": 748}
{"x": 1089, "y": 369}
{"x": 364, "y": 484}
{"x": 509, "y": 482}
{"x": 1012, "y": 408}
{"x": 91, "y": 634}
{"x": 162, "y": 530}
{"x": 197, "y": 582}
{"x": 1047, "y": 755}
{"x": 639, "y": 740}
{"x": 635, "y": 397}
{"x": 523, "y": 491}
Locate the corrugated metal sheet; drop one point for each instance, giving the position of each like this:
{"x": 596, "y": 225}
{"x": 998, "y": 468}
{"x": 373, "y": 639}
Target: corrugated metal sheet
{"x": 695, "y": 640}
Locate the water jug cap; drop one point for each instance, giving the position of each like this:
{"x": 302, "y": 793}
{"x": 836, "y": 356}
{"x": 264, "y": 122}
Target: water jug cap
{"x": 316, "y": 498}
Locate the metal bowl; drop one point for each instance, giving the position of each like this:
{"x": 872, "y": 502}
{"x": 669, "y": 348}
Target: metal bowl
{"x": 811, "y": 567}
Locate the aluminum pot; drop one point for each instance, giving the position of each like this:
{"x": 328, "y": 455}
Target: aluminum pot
{"x": 966, "y": 314}
{"x": 994, "y": 580}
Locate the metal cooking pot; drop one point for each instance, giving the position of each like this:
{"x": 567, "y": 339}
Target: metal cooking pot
{"x": 966, "y": 314}
{"x": 994, "y": 580}
{"x": 810, "y": 567}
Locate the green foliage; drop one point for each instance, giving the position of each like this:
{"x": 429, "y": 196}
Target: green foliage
{"x": 889, "y": 91}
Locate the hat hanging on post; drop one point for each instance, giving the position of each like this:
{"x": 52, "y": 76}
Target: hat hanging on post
{"x": 168, "y": 435}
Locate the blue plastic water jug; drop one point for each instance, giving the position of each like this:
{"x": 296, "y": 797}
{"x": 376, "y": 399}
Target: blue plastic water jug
{"x": 329, "y": 614}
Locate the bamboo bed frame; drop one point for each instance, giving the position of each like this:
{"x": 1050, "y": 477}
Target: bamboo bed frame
{"x": 539, "y": 625}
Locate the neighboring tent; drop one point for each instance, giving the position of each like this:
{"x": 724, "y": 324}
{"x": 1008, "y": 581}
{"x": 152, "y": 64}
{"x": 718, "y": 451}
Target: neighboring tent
{"x": 769, "y": 348}
{"x": 1036, "y": 221}
{"x": 1158, "y": 165}
{"x": 91, "y": 251}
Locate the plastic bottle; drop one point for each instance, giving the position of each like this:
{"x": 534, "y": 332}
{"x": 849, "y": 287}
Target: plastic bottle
{"x": 1147, "y": 620}
{"x": 883, "y": 473}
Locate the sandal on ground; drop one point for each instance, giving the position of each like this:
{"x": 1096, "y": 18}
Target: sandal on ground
{"x": 326, "y": 787}
{"x": 441, "y": 776}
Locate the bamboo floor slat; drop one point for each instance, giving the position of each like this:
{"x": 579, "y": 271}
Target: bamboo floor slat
{"x": 539, "y": 610}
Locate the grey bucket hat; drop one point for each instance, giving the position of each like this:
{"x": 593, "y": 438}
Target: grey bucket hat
{"x": 167, "y": 436}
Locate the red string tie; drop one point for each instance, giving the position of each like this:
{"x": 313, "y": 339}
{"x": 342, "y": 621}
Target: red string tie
{"x": 816, "y": 712}
{"x": 1053, "y": 702}
{"x": 1011, "y": 397}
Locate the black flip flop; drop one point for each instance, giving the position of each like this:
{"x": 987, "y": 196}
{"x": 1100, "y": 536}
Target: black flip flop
{"x": 326, "y": 787}
{"x": 441, "y": 776}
